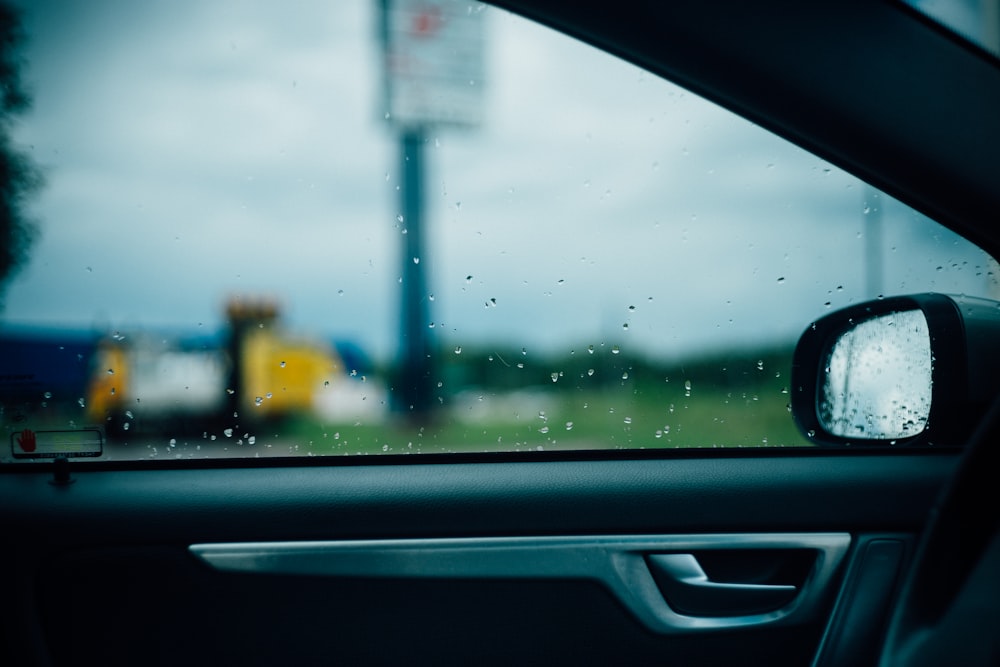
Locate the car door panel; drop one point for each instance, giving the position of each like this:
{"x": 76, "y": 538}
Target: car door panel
{"x": 459, "y": 562}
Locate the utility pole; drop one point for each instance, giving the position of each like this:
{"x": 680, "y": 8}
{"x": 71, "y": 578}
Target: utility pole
{"x": 873, "y": 242}
{"x": 414, "y": 382}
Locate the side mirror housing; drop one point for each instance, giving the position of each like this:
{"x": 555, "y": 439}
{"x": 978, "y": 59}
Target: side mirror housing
{"x": 918, "y": 369}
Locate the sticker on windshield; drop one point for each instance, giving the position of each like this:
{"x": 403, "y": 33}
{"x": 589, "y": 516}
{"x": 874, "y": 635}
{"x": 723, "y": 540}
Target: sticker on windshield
{"x": 31, "y": 444}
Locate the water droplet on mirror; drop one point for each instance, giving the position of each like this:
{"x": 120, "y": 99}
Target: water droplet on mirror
{"x": 258, "y": 400}
{"x": 282, "y": 364}
{"x": 228, "y": 432}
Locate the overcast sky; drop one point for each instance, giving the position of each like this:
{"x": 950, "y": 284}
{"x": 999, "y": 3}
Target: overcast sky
{"x": 196, "y": 150}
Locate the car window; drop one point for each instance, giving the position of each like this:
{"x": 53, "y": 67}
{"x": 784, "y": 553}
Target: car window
{"x": 328, "y": 229}
{"x": 976, "y": 21}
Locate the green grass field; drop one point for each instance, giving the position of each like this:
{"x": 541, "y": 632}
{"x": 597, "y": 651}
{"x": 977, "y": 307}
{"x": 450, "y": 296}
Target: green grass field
{"x": 647, "y": 417}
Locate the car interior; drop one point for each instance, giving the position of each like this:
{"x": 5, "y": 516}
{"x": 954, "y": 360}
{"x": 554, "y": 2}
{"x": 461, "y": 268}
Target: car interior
{"x": 866, "y": 533}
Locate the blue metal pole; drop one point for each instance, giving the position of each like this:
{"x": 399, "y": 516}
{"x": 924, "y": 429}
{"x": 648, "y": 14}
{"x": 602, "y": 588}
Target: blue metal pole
{"x": 414, "y": 389}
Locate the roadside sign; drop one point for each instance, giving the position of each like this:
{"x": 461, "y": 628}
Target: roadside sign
{"x": 433, "y": 57}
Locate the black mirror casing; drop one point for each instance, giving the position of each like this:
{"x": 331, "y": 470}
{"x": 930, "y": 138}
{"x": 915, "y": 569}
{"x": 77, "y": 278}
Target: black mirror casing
{"x": 964, "y": 374}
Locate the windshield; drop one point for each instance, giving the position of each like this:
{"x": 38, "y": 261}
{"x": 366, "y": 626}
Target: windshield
{"x": 326, "y": 229}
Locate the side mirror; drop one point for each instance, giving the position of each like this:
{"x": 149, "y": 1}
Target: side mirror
{"x": 918, "y": 369}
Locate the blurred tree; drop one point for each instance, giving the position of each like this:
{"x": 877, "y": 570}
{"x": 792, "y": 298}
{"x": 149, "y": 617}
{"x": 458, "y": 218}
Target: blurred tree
{"x": 19, "y": 175}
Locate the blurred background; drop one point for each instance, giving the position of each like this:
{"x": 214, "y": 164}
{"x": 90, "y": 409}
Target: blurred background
{"x": 410, "y": 226}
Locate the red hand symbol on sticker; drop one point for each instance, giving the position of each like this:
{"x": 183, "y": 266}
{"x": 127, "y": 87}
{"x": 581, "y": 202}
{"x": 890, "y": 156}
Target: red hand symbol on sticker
{"x": 27, "y": 440}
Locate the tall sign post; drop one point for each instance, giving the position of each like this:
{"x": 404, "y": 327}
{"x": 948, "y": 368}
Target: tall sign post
{"x": 432, "y": 52}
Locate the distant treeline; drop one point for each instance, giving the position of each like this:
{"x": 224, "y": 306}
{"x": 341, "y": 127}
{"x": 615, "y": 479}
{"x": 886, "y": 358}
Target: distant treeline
{"x": 605, "y": 367}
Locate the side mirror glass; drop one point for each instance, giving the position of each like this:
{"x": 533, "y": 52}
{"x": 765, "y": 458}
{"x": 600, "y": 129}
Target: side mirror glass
{"x": 903, "y": 370}
{"x": 877, "y": 381}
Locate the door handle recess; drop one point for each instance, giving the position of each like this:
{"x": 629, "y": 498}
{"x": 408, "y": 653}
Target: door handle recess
{"x": 688, "y": 590}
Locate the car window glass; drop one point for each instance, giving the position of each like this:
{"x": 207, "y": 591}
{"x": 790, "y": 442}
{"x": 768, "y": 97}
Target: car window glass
{"x": 977, "y": 21}
{"x": 223, "y": 259}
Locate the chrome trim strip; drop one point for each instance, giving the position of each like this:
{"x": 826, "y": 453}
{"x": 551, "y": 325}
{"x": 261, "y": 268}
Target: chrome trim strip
{"x": 618, "y": 562}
